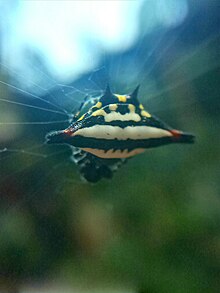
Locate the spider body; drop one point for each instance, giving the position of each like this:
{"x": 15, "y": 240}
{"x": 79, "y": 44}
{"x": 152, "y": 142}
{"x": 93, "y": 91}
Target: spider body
{"x": 115, "y": 128}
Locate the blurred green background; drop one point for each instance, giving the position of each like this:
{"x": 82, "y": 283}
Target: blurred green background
{"x": 155, "y": 227}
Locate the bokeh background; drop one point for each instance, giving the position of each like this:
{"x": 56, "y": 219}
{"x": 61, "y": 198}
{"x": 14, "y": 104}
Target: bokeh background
{"x": 155, "y": 227}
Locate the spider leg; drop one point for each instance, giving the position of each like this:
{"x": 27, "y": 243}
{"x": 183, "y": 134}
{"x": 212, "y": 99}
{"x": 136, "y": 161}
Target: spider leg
{"x": 92, "y": 169}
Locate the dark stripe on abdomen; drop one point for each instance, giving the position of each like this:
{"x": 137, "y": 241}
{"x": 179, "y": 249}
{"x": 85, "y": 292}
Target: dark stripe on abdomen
{"x": 104, "y": 144}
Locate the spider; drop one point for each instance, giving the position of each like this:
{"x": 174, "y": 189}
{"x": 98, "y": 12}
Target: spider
{"x": 108, "y": 130}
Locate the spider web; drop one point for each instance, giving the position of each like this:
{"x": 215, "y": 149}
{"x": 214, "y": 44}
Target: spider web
{"x": 170, "y": 64}
{"x": 156, "y": 61}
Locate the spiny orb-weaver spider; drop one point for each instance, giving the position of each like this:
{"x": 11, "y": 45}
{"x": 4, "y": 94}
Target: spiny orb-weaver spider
{"x": 113, "y": 129}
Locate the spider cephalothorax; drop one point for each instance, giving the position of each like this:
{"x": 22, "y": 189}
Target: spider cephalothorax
{"x": 113, "y": 129}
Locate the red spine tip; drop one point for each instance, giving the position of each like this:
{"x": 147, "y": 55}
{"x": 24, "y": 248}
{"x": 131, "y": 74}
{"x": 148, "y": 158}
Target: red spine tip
{"x": 68, "y": 131}
{"x": 176, "y": 133}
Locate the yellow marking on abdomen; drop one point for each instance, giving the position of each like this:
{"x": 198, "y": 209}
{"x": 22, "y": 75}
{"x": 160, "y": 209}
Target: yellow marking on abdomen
{"x": 98, "y": 105}
{"x": 145, "y": 114}
{"x": 114, "y": 154}
{"x": 100, "y": 112}
{"x": 131, "y": 108}
{"x": 81, "y": 118}
{"x": 113, "y": 107}
{"x": 121, "y": 98}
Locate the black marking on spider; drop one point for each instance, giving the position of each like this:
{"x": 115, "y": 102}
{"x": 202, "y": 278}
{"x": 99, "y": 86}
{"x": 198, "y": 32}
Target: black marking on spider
{"x": 108, "y": 130}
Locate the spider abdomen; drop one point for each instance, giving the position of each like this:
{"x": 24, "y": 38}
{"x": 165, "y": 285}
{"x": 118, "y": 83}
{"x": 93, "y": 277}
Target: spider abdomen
{"x": 115, "y": 128}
